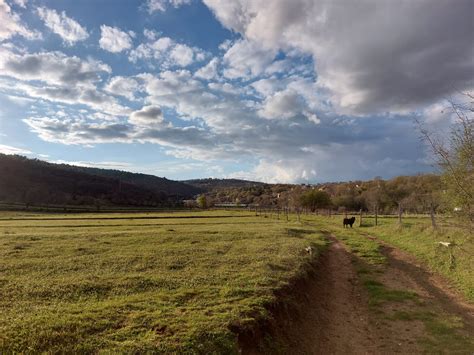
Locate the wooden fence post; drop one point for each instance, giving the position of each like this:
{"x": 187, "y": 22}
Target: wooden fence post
{"x": 400, "y": 213}
{"x": 432, "y": 215}
{"x": 376, "y": 214}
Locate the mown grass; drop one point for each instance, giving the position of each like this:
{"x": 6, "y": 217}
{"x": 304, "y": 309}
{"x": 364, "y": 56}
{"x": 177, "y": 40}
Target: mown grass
{"x": 142, "y": 285}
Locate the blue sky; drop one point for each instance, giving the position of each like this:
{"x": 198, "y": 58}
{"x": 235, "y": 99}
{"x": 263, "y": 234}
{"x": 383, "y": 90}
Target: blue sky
{"x": 281, "y": 91}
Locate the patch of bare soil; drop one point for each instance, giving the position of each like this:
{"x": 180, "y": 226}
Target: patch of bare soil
{"x": 332, "y": 318}
{"x": 333, "y": 314}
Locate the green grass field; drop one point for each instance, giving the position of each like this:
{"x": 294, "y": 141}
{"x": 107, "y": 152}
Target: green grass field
{"x": 142, "y": 282}
{"x": 178, "y": 282}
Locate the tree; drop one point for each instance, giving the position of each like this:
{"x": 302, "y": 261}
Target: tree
{"x": 202, "y": 201}
{"x": 315, "y": 199}
{"x": 455, "y": 157}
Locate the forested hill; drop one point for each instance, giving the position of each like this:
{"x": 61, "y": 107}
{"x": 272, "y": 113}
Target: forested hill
{"x": 212, "y": 184}
{"x": 33, "y": 181}
{"x": 154, "y": 183}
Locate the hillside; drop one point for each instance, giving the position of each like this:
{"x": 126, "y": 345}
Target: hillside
{"x": 212, "y": 184}
{"x": 413, "y": 193}
{"x": 33, "y": 181}
{"x": 157, "y": 184}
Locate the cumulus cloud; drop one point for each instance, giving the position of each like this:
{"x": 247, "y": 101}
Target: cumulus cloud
{"x": 294, "y": 94}
{"x": 61, "y": 78}
{"x": 292, "y": 149}
{"x": 114, "y": 40}
{"x": 209, "y": 71}
{"x": 123, "y": 86}
{"x": 151, "y": 35}
{"x": 145, "y": 125}
{"x": 162, "y": 5}
{"x": 182, "y": 55}
{"x": 75, "y": 130}
{"x": 284, "y": 104}
{"x": 147, "y": 116}
{"x": 246, "y": 59}
{"x": 166, "y": 53}
{"x": 67, "y": 28}
{"x": 393, "y": 57}
{"x": 20, "y": 3}
{"x": 51, "y": 67}
{"x": 10, "y": 24}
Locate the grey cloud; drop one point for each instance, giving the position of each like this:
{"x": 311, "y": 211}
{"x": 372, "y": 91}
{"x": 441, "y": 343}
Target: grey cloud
{"x": 52, "y": 68}
{"x": 105, "y": 132}
{"x": 147, "y": 116}
{"x": 372, "y": 55}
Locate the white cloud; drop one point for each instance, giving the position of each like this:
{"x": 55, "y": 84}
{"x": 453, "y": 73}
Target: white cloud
{"x": 246, "y": 59}
{"x": 90, "y": 164}
{"x": 152, "y": 50}
{"x": 62, "y": 79}
{"x": 166, "y": 53}
{"x": 209, "y": 71}
{"x": 283, "y": 104}
{"x": 312, "y": 117}
{"x": 10, "y": 24}
{"x": 7, "y": 149}
{"x": 67, "y": 28}
{"x": 20, "y": 3}
{"x": 161, "y": 5}
{"x": 123, "y": 86}
{"x": 267, "y": 86}
{"x": 151, "y": 35}
{"x": 114, "y": 40}
{"x": 182, "y": 55}
{"x": 223, "y": 124}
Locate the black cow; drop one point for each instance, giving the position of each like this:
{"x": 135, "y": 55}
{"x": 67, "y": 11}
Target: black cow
{"x": 349, "y": 221}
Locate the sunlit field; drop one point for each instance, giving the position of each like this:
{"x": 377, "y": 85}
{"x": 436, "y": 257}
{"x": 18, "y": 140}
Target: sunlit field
{"x": 176, "y": 282}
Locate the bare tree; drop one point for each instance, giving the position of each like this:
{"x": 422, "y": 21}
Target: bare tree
{"x": 455, "y": 156}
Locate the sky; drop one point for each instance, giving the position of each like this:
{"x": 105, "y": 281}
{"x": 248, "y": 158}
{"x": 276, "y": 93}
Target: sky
{"x": 299, "y": 91}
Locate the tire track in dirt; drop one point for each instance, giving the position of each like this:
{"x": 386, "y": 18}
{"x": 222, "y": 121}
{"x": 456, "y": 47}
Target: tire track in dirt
{"x": 339, "y": 308}
{"x": 404, "y": 271}
{"x": 334, "y": 315}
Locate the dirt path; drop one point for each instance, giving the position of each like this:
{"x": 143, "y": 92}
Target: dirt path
{"x": 337, "y": 319}
{"x": 415, "y": 311}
